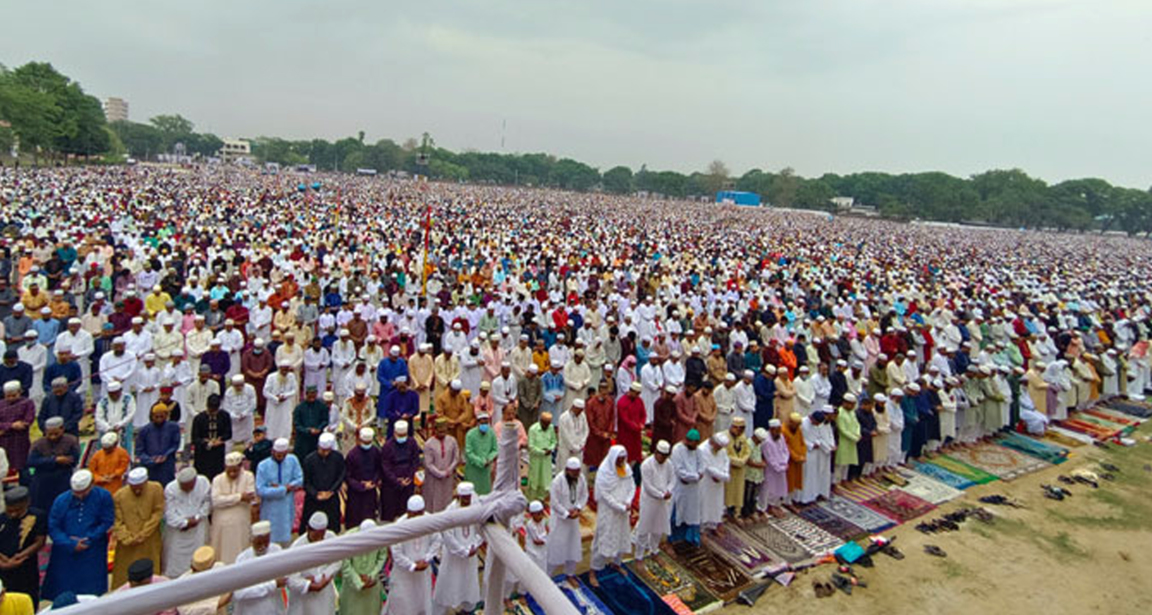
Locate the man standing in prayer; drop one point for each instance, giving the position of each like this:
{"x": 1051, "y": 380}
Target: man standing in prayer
{"x": 572, "y": 431}
{"x": 78, "y": 525}
{"x": 360, "y": 578}
{"x": 739, "y": 450}
{"x": 480, "y": 451}
{"x": 139, "y": 512}
{"x": 441, "y": 458}
{"x": 529, "y": 396}
{"x": 64, "y": 403}
{"x": 717, "y": 474}
{"x": 311, "y": 591}
{"x": 265, "y": 598}
{"x": 458, "y": 581}
{"x": 848, "y": 429}
{"x": 239, "y": 403}
{"x": 323, "y": 478}
{"x": 309, "y": 420}
{"x": 51, "y": 460}
{"x": 797, "y": 455}
{"x": 411, "y": 579}
{"x": 821, "y": 443}
{"x": 542, "y": 442}
{"x": 569, "y": 495}
{"x": 657, "y": 482}
{"x": 156, "y": 446}
{"x": 23, "y": 533}
{"x": 600, "y": 412}
{"x": 233, "y": 494}
{"x": 453, "y": 405}
{"x": 688, "y": 464}
{"x": 402, "y": 404}
{"x": 399, "y": 462}
{"x": 615, "y": 490}
{"x": 362, "y": 474}
{"x": 115, "y": 412}
{"x": 281, "y": 391}
{"x": 278, "y": 478}
{"x": 211, "y": 431}
{"x": 187, "y": 502}
{"x": 775, "y": 452}
{"x": 17, "y": 414}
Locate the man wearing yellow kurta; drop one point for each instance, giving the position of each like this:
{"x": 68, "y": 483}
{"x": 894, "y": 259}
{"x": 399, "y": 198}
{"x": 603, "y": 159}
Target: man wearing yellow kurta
{"x": 421, "y": 370}
{"x": 139, "y": 511}
{"x": 739, "y": 449}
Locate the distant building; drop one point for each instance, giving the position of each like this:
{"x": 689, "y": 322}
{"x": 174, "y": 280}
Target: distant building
{"x": 115, "y": 109}
{"x": 236, "y": 150}
{"x": 843, "y": 202}
{"x": 733, "y": 197}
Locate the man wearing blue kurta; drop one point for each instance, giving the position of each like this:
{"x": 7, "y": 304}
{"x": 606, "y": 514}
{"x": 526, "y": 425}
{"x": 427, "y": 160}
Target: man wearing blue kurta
{"x": 278, "y": 478}
{"x": 156, "y": 447}
{"x": 386, "y": 374}
{"x": 402, "y": 404}
{"x": 78, "y": 525}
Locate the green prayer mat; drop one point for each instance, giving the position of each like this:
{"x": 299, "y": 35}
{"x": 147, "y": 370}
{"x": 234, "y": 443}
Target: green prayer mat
{"x": 959, "y": 468}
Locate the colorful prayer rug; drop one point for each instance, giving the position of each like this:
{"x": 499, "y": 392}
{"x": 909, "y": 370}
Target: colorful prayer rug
{"x": 1005, "y": 463}
{"x": 810, "y": 536}
{"x": 831, "y": 523}
{"x": 740, "y": 551}
{"x": 861, "y": 489}
{"x": 776, "y": 541}
{"x": 1032, "y": 447}
{"x": 861, "y": 516}
{"x": 665, "y": 577}
{"x": 1069, "y": 435}
{"x": 940, "y": 474}
{"x": 1103, "y": 423}
{"x": 928, "y": 489}
{"x": 1114, "y": 416}
{"x": 963, "y": 470}
{"x": 900, "y": 506}
{"x": 717, "y": 575}
{"x": 1096, "y": 432}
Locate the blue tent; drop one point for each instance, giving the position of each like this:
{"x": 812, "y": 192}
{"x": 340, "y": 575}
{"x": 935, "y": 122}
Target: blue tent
{"x": 738, "y": 198}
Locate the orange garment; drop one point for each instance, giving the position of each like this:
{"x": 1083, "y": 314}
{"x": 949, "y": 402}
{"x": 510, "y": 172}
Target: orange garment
{"x": 798, "y": 451}
{"x": 788, "y": 361}
{"x": 113, "y": 465}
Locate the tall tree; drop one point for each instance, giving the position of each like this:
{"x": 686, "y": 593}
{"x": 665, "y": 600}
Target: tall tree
{"x": 784, "y": 187}
{"x": 717, "y": 176}
{"x": 618, "y": 180}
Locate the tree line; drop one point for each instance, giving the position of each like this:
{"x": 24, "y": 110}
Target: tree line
{"x": 49, "y": 114}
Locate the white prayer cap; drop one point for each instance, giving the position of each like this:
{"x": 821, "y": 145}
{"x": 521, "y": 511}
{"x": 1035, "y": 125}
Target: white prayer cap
{"x": 186, "y": 475}
{"x": 367, "y": 434}
{"x": 425, "y": 346}
{"x": 773, "y": 423}
{"x": 849, "y": 397}
{"x": 663, "y": 447}
{"x": 19, "y": 307}
{"x": 280, "y": 445}
{"x": 345, "y": 333}
{"x": 465, "y": 488}
{"x": 258, "y": 342}
{"x": 54, "y": 422}
{"x": 261, "y": 528}
{"x": 238, "y": 379}
{"x": 880, "y": 398}
{"x": 534, "y": 369}
{"x": 284, "y": 364}
{"x": 457, "y": 385}
{"x": 367, "y": 524}
{"x": 670, "y": 389}
{"x": 485, "y": 386}
{"x": 394, "y": 351}
{"x": 804, "y": 368}
{"x": 74, "y": 321}
{"x": 318, "y": 521}
{"x": 572, "y": 464}
{"x": 328, "y": 396}
{"x": 535, "y": 506}
{"x": 114, "y": 386}
{"x": 233, "y": 459}
{"x": 149, "y": 356}
{"x": 985, "y": 369}
{"x": 81, "y": 480}
{"x": 721, "y": 439}
{"x": 215, "y": 342}
{"x": 138, "y": 476}
{"x": 913, "y": 387}
{"x": 841, "y": 363}
{"x": 415, "y": 504}
{"x": 402, "y": 427}
{"x": 399, "y": 379}
{"x": 762, "y": 434}
{"x": 556, "y": 363}
{"x": 109, "y": 439}
{"x": 31, "y": 334}
{"x": 12, "y": 386}
{"x": 119, "y": 339}
{"x": 897, "y": 392}
{"x": 137, "y": 321}
{"x": 579, "y": 403}
{"x": 636, "y": 386}
{"x": 327, "y": 441}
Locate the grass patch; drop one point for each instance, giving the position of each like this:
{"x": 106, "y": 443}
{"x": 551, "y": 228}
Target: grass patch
{"x": 1061, "y": 546}
{"x": 951, "y": 569}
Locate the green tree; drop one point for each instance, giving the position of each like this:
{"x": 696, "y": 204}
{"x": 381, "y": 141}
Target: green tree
{"x": 142, "y": 141}
{"x": 814, "y": 194}
{"x": 784, "y": 187}
{"x": 175, "y": 125}
{"x": 618, "y": 180}
{"x": 716, "y": 177}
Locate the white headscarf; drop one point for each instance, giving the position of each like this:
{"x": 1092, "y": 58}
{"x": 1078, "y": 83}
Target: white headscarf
{"x": 606, "y": 478}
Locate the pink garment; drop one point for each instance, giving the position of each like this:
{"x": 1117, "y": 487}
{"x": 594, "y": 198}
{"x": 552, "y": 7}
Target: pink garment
{"x": 776, "y": 456}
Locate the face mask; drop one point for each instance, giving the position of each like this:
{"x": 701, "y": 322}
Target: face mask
{"x": 484, "y": 429}
{"x": 401, "y": 439}
{"x": 365, "y": 446}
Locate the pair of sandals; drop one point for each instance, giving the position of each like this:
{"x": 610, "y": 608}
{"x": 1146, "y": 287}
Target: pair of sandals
{"x": 934, "y": 550}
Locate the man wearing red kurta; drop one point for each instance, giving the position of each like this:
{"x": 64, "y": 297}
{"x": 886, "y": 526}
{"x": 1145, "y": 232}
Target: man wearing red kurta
{"x": 630, "y": 418}
{"x": 601, "y": 413}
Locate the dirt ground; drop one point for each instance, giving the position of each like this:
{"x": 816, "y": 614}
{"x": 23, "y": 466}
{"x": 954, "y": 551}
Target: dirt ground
{"x": 1091, "y": 553}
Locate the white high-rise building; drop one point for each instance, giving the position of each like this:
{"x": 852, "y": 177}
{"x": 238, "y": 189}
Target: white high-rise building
{"x": 115, "y": 109}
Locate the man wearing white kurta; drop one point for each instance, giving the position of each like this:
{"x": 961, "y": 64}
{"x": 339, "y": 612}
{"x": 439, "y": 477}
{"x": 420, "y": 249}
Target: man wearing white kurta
{"x": 263, "y": 598}
{"x": 805, "y": 391}
{"x": 688, "y": 464}
{"x": 818, "y": 466}
{"x": 716, "y": 470}
{"x": 657, "y": 480}
{"x": 458, "y": 582}
{"x": 311, "y": 591}
{"x": 197, "y": 341}
{"x": 80, "y": 343}
{"x": 231, "y": 341}
{"x": 745, "y": 396}
{"x": 569, "y": 496}
{"x": 577, "y": 377}
{"x": 281, "y": 391}
{"x": 117, "y": 365}
{"x": 145, "y": 387}
{"x": 240, "y": 404}
{"x": 316, "y": 360}
{"x": 260, "y": 321}
{"x": 411, "y": 580}
{"x": 343, "y": 358}
{"x": 652, "y": 379}
{"x": 187, "y": 502}
{"x": 725, "y": 398}
{"x": 572, "y": 432}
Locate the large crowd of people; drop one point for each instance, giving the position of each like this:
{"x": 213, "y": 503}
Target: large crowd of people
{"x": 245, "y": 343}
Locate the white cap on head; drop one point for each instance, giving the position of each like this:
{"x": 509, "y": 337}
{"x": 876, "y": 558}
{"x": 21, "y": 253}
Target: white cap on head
{"x": 670, "y": 389}
{"x": 12, "y": 386}
{"x": 261, "y": 528}
{"x": 81, "y": 480}
{"x": 394, "y": 351}
{"x": 280, "y": 445}
{"x": 109, "y": 439}
{"x": 233, "y": 459}
{"x": 318, "y": 521}
{"x": 238, "y": 379}
{"x": 663, "y": 447}
{"x": 54, "y": 422}
{"x": 367, "y": 433}
{"x": 186, "y": 475}
{"x": 573, "y": 463}
{"x": 401, "y": 427}
{"x": 114, "y": 386}
{"x": 327, "y": 441}
{"x": 465, "y": 488}
{"x": 457, "y": 385}
{"x": 775, "y": 423}
{"x": 367, "y": 524}
{"x": 762, "y": 434}
{"x": 138, "y": 476}
{"x": 415, "y": 504}
{"x": 721, "y": 439}
{"x": 578, "y": 403}
{"x": 535, "y": 506}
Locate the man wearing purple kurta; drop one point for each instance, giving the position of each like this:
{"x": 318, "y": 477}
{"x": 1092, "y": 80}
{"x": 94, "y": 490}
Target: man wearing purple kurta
{"x": 399, "y": 461}
{"x": 775, "y": 452}
{"x": 218, "y": 361}
{"x": 441, "y": 457}
{"x": 362, "y": 475}
{"x": 17, "y": 413}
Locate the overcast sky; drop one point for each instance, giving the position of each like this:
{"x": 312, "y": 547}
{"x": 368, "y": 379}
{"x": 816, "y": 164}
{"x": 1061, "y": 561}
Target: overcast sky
{"x": 1059, "y": 88}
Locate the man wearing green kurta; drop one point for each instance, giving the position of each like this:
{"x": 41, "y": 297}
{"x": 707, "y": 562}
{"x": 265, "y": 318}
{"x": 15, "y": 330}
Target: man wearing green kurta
{"x": 541, "y": 444}
{"x": 479, "y": 453}
{"x": 849, "y": 428}
{"x": 360, "y": 579}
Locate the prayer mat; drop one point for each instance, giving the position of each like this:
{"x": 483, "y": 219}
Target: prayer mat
{"x": 900, "y": 506}
{"x": 861, "y": 516}
{"x": 808, "y": 535}
{"x": 624, "y": 593}
{"x": 738, "y": 550}
{"x": 1068, "y": 434}
{"x": 1103, "y": 423}
{"x": 928, "y": 489}
{"x": 961, "y": 469}
{"x": 585, "y": 600}
{"x": 833, "y": 524}
{"x": 677, "y": 605}
{"x": 666, "y": 578}
{"x": 940, "y": 474}
{"x": 776, "y": 541}
{"x": 861, "y": 489}
{"x": 1114, "y": 416}
{"x": 1005, "y": 463}
{"x": 1132, "y": 408}
{"x": 1096, "y": 432}
{"x": 722, "y": 579}
{"x": 1034, "y": 448}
